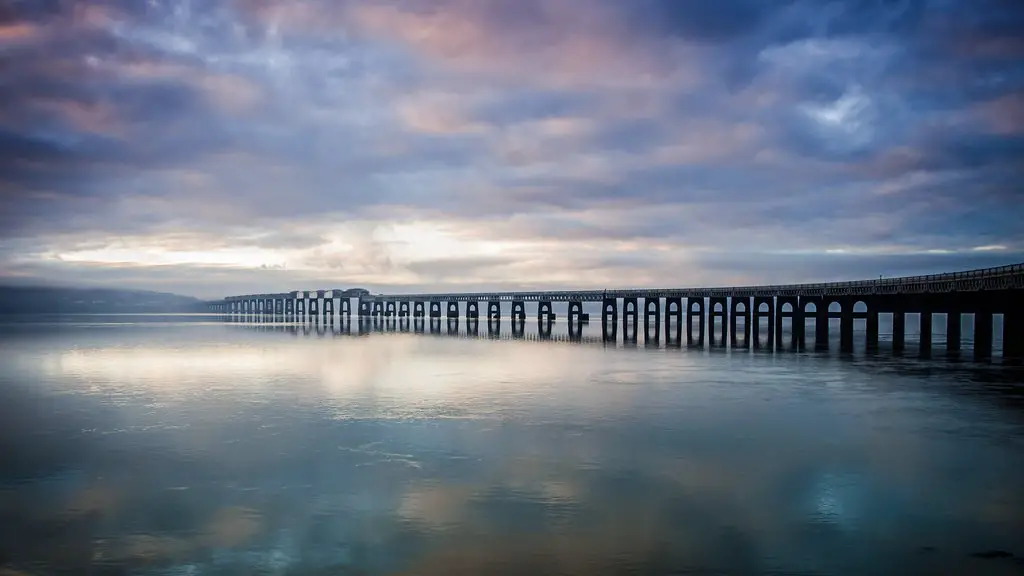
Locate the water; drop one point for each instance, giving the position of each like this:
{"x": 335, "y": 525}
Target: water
{"x": 175, "y": 446}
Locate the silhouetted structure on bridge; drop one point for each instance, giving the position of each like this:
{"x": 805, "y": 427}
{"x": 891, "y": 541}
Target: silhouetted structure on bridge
{"x": 728, "y": 316}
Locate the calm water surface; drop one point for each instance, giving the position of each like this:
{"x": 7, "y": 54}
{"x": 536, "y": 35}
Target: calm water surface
{"x": 174, "y": 447}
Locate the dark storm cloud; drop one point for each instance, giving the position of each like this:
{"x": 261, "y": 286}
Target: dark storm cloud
{"x": 895, "y": 125}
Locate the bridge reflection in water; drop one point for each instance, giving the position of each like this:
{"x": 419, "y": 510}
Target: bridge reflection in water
{"x": 771, "y": 318}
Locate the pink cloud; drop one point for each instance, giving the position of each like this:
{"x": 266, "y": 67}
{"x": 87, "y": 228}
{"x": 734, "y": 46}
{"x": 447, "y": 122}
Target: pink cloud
{"x": 19, "y": 33}
{"x": 562, "y": 46}
{"x": 1003, "y": 116}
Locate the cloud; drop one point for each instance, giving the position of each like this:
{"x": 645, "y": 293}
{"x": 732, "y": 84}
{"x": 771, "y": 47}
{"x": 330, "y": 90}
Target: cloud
{"x": 232, "y": 138}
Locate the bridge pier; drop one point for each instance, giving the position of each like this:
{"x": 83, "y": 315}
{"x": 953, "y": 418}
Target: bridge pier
{"x": 518, "y": 311}
{"x": 954, "y": 327}
{"x": 674, "y": 309}
{"x": 652, "y": 315}
{"x": 377, "y": 309}
{"x": 788, "y": 307}
{"x": 609, "y": 319}
{"x": 871, "y": 325}
{"x": 695, "y": 308}
{"x": 544, "y": 324}
{"x": 630, "y": 311}
{"x": 718, "y": 310}
{"x": 735, "y": 305}
{"x": 544, "y": 310}
{"x": 899, "y": 330}
{"x": 493, "y": 310}
{"x": 418, "y": 309}
{"x": 473, "y": 325}
{"x": 518, "y": 323}
{"x": 575, "y": 319}
{"x": 983, "y": 334}
{"x": 390, "y": 309}
{"x": 821, "y": 324}
{"x": 453, "y": 309}
{"x": 435, "y": 309}
{"x": 473, "y": 310}
{"x": 845, "y": 316}
{"x": 1013, "y": 332}
{"x": 764, "y": 307}
{"x": 300, "y": 306}
{"x": 329, "y": 308}
{"x": 925, "y": 345}
{"x": 403, "y": 309}
{"x": 314, "y": 308}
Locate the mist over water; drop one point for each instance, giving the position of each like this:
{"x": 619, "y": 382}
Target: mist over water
{"x": 190, "y": 445}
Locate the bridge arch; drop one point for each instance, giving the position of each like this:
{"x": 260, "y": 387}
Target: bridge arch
{"x": 544, "y": 309}
{"x": 741, "y": 307}
{"x": 575, "y": 308}
{"x": 650, "y": 306}
{"x": 787, "y": 307}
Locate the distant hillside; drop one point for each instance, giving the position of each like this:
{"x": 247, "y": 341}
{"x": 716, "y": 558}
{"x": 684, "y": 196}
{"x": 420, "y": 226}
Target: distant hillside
{"x": 47, "y": 300}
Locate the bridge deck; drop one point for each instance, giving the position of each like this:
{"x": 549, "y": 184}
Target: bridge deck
{"x": 1009, "y": 277}
{"x": 998, "y": 278}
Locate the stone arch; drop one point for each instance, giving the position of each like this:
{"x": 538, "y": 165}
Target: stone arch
{"x": 835, "y": 306}
{"x": 764, "y": 308}
{"x": 810, "y": 308}
{"x": 718, "y": 307}
{"x": 741, "y": 307}
{"x": 651, "y": 306}
{"x": 787, "y": 307}
{"x": 860, "y": 306}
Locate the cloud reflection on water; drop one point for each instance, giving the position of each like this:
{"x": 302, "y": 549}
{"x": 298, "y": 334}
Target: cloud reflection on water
{"x": 207, "y": 449}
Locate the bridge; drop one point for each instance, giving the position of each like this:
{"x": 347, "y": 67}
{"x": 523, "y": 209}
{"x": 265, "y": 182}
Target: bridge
{"x": 715, "y": 316}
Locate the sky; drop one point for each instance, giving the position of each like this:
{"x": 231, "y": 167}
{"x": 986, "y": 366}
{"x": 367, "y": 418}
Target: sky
{"x": 219, "y": 147}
